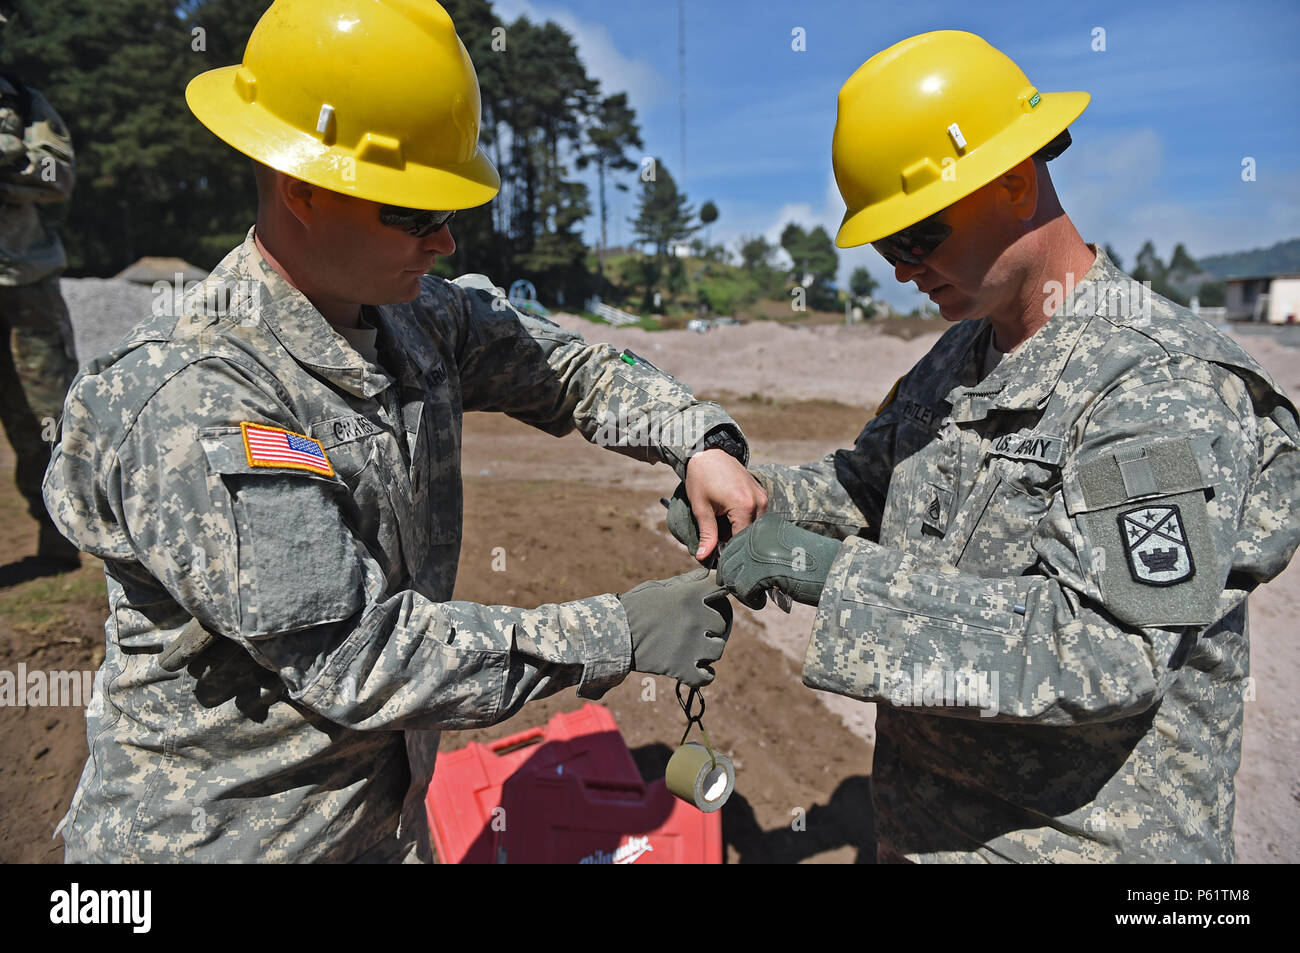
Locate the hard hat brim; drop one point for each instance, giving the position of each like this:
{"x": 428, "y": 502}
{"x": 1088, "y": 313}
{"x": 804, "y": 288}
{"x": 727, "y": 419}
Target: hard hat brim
{"x": 979, "y": 167}
{"x": 253, "y": 130}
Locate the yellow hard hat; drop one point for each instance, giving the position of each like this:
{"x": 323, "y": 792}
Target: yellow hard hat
{"x": 930, "y": 120}
{"x": 372, "y": 98}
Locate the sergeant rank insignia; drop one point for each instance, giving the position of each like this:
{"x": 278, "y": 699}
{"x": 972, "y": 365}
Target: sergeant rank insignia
{"x": 273, "y": 447}
{"x": 1156, "y": 545}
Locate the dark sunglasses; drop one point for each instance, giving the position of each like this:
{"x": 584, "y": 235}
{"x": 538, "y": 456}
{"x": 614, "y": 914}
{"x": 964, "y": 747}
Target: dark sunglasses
{"x": 911, "y": 245}
{"x": 413, "y": 221}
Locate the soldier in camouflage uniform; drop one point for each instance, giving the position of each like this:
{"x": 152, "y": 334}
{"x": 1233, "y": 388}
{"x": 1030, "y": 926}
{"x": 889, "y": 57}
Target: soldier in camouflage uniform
{"x": 1036, "y": 563}
{"x": 37, "y": 357}
{"x": 286, "y": 482}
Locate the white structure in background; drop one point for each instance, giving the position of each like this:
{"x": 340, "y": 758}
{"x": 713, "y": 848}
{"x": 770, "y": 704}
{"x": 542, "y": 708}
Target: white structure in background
{"x": 1213, "y": 315}
{"x": 1274, "y": 299}
{"x": 607, "y": 312}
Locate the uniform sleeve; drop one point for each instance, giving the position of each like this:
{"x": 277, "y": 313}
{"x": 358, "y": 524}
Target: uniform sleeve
{"x": 843, "y": 494}
{"x": 812, "y": 496}
{"x": 1134, "y": 555}
{"x": 44, "y": 170}
{"x": 266, "y": 556}
{"x": 550, "y": 378}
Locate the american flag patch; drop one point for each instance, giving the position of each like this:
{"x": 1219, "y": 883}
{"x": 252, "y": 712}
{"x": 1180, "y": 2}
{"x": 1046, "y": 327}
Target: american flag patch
{"x": 273, "y": 447}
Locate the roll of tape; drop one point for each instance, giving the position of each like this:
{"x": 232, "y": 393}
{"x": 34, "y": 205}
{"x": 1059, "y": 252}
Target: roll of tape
{"x": 693, "y": 776}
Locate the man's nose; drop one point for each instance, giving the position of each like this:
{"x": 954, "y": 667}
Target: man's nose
{"x": 441, "y": 241}
{"x": 904, "y": 272}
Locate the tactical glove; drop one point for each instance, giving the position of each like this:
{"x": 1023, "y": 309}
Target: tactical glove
{"x": 679, "y": 626}
{"x": 682, "y": 524}
{"x": 775, "y": 552}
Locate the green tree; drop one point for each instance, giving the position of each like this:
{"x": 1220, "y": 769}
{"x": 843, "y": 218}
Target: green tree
{"x": 482, "y": 242}
{"x": 861, "y": 284}
{"x": 642, "y": 272}
{"x": 1212, "y": 294}
{"x": 1181, "y": 262}
{"x": 1149, "y": 267}
{"x": 153, "y": 180}
{"x": 756, "y": 253}
{"x": 663, "y": 214}
{"x": 539, "y": 108}
{"x": 1113, "y": 255}
{"x": 756, "y": 258}
{"x": 814, "y": 264}
{"x": 150, "y": 179}
{"x": 611, "y": 131}
{"x": 1165, "y": 280}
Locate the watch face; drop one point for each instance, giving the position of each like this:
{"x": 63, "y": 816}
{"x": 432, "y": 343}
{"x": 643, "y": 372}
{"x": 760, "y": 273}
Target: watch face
{"x": 725, "y": 440}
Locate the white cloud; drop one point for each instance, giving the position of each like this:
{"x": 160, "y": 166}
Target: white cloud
{"x": 617, "y": 73}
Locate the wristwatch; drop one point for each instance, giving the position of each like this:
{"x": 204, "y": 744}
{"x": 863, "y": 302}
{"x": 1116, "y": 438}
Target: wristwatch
{"x": 724, "y": 437}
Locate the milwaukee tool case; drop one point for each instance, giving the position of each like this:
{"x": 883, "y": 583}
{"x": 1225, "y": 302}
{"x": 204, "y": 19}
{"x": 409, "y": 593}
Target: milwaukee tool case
{"x": 568, "y": 792}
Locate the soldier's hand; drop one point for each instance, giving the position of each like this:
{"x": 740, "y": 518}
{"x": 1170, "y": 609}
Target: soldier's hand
{"x": 13, "y": 150}
{"x": 776, "y": 553}
{"x": 681, "y": 523}
{"x": 679, "y": 626}
{"x": 717, "y": 484}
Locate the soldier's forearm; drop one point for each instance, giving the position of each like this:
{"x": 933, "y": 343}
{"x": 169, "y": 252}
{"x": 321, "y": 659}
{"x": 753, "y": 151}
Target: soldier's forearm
{"x": 407, "y": 662}
{"x": 1020, "y": 649}
{"x": 811, "y": 496}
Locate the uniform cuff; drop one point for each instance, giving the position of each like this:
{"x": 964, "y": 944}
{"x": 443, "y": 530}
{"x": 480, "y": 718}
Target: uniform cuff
{"x": 599, "y": 625}
{"x": 712, "y": 428}
{"x": 834, "y": 661}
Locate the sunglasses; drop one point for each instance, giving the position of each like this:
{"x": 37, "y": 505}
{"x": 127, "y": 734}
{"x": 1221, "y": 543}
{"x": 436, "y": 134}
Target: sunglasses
{"x": 911, "y": 245}
{"x": 413, "y": 221}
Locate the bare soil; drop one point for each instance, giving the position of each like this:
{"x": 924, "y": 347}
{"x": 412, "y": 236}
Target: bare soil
{"x": 576, "y": 521}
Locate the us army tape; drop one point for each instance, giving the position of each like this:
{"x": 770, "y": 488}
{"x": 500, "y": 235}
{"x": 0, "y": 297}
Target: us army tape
{"x": 700, "y": 778}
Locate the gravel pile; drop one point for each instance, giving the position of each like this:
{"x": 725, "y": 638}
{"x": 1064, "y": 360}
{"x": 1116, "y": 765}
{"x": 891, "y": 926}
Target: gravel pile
{"x": 103, "y": 310}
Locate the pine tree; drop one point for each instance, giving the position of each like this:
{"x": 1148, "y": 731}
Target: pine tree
{"x": 611, "y": 131}
{"x": 861, "y": 284}
{"x": 814, "y": 262}
{"x": 663, "y": 214}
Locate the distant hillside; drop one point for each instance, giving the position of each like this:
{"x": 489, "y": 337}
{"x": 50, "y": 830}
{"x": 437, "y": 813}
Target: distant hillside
{"x": 1282, "y": 258}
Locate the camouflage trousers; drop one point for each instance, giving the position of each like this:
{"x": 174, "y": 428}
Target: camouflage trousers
{"x": 37, "y": 364}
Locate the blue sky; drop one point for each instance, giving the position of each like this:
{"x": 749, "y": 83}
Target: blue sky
{"x": 1182, "y": 93}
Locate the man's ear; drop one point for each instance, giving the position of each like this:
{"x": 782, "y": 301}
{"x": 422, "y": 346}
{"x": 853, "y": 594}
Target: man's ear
{"x": 1020, "y": 189}
{"x": 298, "y": 197}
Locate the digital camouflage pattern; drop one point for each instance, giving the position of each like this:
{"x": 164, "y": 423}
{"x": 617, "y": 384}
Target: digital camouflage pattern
{"x": 37, "y": 357}
{"x": 36, "y": 168}
{"x": 330, "y": 590}
{"x": 37, "y": 363}
{"x": 1044, "y": 582}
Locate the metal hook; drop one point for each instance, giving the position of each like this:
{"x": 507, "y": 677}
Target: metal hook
{"x": 697, "y": 719}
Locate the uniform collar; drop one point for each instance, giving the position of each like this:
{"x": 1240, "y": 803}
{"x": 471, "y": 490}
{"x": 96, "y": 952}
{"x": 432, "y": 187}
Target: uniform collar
{"x": 297, "y": 325}
{"x": 1026, "y": 378}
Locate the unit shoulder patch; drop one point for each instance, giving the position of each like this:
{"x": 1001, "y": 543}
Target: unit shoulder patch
{"x": 1155, "y": 544}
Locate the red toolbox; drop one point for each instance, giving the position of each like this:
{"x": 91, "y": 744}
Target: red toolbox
{"x": 576, "y": 820}
{"x": 568, "y": 792}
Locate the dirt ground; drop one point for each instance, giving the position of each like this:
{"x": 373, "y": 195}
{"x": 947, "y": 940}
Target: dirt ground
{"x": 575, "y": 521}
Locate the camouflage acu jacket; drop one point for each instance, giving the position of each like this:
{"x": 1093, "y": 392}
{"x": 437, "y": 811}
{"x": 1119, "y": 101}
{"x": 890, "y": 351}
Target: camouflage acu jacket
{"x": 36, "y": 168}
{"x": 1044, "y": 582}
{"x": 241, "y": 464}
